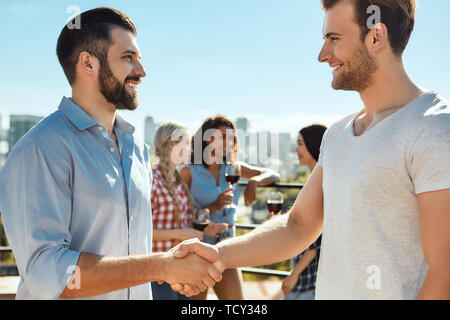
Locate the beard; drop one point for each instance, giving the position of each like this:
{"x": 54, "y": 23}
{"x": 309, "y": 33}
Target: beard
{"x": 361, "y": 67}
{"x": 114, "y": 91}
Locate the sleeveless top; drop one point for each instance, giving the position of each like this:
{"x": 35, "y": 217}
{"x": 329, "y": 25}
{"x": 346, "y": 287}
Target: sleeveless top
{"x": 204, "y": 191}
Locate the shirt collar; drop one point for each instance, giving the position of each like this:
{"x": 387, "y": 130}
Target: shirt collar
{"x": 123, "y": 125}
{"x": 83, "y": 121}
{"x": 76, "y": 114}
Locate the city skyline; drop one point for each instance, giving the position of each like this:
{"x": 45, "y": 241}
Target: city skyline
{"x": 260, "y": 148}
{"x": 252, "y": 59}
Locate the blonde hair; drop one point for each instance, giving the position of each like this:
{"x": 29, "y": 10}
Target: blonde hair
{"x": 163, "y": 137}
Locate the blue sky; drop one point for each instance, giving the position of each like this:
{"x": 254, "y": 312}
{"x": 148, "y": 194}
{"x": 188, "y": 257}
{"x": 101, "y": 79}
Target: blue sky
{"x": 252, "y": 58}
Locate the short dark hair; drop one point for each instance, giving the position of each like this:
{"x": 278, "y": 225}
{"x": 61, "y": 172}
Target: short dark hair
{"x": 397, "y": 15}
{"x": 93, "y": 36}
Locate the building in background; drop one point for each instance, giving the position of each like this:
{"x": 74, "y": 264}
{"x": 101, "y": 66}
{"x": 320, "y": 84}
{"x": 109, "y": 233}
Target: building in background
{"x": 149, "y": 133}
{"x": 3, "y": 143}
{"x": 267, "y": 149}
{"x": 19, "y": 125}
{"x": 285, "y": 145}
{"x": 242, "y": 124}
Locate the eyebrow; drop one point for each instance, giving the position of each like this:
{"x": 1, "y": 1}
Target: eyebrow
{"x": 330, "y": 34}
{"x": 129, "y": 51}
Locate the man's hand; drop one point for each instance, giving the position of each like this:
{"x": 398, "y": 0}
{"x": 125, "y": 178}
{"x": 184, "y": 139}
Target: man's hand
{"x": 205, "y": 251}
{"x": 195, "y": 269}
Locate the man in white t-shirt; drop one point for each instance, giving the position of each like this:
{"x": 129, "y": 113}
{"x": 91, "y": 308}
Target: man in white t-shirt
{"x": 381, "y": 191}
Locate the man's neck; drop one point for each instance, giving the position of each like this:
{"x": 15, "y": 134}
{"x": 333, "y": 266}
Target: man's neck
{"x": 390, "y": 91}
{"x": 97, "y": 107}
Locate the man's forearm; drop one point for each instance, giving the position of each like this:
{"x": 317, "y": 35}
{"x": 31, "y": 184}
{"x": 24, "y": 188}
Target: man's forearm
{"x": 100, "y": 274}
{"x": 97, "y": 275}
{"x": 276, "y": 240}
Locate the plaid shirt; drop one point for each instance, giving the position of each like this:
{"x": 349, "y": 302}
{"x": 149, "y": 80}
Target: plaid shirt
{"x": 163, "y": 209}
{"x": 307, "y": 279}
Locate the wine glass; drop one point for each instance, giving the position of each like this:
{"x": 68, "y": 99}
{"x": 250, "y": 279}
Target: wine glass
{"x": 201, "y": 219}
{"x": 275, "y": 203}
{"x": 232, "y": 175}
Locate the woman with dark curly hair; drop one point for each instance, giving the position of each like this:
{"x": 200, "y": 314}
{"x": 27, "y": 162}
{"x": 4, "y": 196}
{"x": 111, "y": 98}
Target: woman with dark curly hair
{"x": 214, "y": 147}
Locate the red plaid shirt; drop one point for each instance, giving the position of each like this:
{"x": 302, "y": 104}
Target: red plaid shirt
{"x": 163, "y": 209}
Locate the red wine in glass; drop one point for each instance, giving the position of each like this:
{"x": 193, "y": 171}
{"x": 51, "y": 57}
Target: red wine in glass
{"x": 274, "y": 206}
{"x": 232, "y": 175}
{"x": 200, "y": 221}
{"x": 231, "y": 179}
{"x": 199, "y": 225}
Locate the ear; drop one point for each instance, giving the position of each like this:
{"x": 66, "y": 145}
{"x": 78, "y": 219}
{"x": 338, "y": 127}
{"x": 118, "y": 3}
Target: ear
{"x": 377, "y": 38}
{"x": 88, "y": 65}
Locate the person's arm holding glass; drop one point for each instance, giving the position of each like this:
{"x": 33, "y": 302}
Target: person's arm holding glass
{"x": 212, "y": 229}
{"x": 257, "y": 177}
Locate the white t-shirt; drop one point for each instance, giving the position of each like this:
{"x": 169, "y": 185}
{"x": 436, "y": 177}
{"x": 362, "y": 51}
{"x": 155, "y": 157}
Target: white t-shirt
{"x": 371, "y": 246}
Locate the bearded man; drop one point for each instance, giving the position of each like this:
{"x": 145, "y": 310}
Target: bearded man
{"x": 75, "y": 191}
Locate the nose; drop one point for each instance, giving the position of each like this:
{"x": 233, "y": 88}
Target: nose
{"x": 140, "y": 71}
{"x": 325, "y": 54}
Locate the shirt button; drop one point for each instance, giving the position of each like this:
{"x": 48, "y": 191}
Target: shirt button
{"x": 132, "y": 291}
{"x": 112, "y": 149}
{"x": 100, "y": 128}
{"x": 131, "y": 218}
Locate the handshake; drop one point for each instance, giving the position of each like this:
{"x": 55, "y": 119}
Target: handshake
{"x": 192, "y": 267}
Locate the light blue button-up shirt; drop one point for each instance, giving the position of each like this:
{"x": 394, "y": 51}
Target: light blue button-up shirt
{"x": 66, "y": 189}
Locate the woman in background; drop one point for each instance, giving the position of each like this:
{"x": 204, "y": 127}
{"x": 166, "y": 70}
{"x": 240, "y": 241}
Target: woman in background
{"x": 301, "y": 283}
{"x": 213, "y": 146}
{"x": 172, "y": 205}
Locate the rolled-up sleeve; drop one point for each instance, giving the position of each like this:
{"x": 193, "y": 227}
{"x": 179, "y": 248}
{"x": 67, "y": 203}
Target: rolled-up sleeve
{"x": 36, "y": 206}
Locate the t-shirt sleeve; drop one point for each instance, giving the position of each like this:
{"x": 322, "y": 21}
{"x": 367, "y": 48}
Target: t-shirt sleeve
{"x": 429, "y": 161}
{"x": 322, "y": 147}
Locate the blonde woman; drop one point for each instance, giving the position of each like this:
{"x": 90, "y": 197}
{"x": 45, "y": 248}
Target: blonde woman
{"x": 172, "y": 205}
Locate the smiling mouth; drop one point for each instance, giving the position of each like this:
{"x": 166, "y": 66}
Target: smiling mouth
{"x": 337, "y": 67}
{"x": 132, "y": 85}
